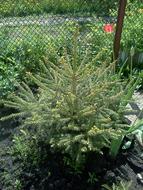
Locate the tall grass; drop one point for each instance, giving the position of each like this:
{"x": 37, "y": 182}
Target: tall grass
{"x": 30, "y": 7}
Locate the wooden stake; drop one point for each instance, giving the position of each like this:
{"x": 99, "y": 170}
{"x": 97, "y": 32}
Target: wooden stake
{"x": 119, "y": 27}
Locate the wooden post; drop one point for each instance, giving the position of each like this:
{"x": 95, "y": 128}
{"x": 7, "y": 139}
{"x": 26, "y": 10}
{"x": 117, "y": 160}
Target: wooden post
{"x": 119, "y": 27}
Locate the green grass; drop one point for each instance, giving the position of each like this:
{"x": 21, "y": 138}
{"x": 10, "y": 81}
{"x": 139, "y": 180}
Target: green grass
{"x": 30, "y": 7}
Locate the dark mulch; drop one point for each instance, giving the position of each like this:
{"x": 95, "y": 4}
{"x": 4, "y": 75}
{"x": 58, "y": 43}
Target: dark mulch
{"x": 53, "y": 175}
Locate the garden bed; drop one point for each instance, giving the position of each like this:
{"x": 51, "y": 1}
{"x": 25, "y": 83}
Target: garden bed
{"x": 52, "y": 174}
{"x": 76, "y": 122}
{"x": 99, "y": 169}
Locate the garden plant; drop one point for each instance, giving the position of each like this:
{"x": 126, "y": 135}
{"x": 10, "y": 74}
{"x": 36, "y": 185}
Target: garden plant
{"x": 68, "y": 112}
{"x": 77, "y": 111}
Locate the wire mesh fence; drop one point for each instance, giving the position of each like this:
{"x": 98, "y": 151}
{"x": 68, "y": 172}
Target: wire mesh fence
{"x": 50, "y": 23}
{"x": 34, "y": 27}
{"x": 31, "y": 29}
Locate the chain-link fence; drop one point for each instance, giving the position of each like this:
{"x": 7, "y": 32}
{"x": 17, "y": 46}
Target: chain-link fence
{"x": 25, "y": 24}
{"x": 50, "y": 23}
{"x": 31, "y": 29}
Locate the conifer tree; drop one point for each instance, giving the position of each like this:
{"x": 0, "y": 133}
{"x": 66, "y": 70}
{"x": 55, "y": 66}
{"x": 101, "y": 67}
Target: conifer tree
{"x": 80, "y": 105}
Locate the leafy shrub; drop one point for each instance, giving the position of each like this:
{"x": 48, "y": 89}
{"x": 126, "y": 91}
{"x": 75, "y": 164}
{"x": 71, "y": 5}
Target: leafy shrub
{"x": 10, "y": 71}
{"x": 121, "y": 186}
{"x": 132, "y": 31}
{"x": 79, "y": 104}
{"x": 98, "y": 39}
{"x": 132, "y": 37}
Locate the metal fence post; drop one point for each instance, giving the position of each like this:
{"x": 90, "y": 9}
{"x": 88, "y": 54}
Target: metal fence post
{"x": 119, "y": 27}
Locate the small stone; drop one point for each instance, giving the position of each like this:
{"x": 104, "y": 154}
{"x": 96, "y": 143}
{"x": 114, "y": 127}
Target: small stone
{"x": 139, "y": 177}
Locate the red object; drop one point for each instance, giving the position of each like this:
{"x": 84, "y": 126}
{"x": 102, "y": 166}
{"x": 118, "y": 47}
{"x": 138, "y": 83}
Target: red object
{"x": 108, "y": 28}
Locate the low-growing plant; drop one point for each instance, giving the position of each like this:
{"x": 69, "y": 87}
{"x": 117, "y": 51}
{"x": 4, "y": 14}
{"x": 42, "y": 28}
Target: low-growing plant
{"x": 92, "y": 178}
{"x": 9, "y": 71}
{"x": 121, "y": 186}
{"x": 79, "y": 104}
{"x": 27, "y": 154}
